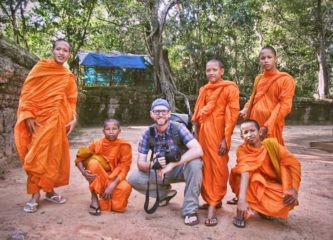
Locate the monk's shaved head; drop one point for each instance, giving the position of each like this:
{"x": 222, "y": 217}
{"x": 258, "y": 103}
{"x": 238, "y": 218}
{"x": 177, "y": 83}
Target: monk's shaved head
{"x": 54, "y": 44}
{"x": 112, "y": 121}
{"x": 255, "y": 123}
{"x": 219, "y": 63}
{"x": 268, "y": 47}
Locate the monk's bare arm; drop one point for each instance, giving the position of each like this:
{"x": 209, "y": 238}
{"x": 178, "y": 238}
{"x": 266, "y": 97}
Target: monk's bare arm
{"x": 243, "y": 205}
{"x": 85, "y": 172}
{"x": 107, "y": 194}
{"x": 293, "y": 166}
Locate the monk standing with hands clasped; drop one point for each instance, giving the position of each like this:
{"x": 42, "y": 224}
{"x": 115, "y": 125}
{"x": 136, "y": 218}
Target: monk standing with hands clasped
{"x": 215, "y": 116}
{"x": 271, "y": 98}
{"x": 46, "y": 115}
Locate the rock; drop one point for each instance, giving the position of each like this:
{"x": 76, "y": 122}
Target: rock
{"x": 17, "y": 234}
{"x": 15, "y": 64}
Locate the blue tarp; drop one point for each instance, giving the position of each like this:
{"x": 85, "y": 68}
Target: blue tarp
{"x": 122, "y": 60}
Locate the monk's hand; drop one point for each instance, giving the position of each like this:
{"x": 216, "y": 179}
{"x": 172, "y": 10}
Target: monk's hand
{"x": 89, "y": 175}
{"x": 70, "y": 125}
{"x": 263, "y": 133}
{"x": 242, "y": 207}
{"x": 223, "y": 148}
{"x": 242, "y": 114}
{"x": 107, "y": 194}
{"x": 290, "y": 197}
{"x": 31, "y": 124}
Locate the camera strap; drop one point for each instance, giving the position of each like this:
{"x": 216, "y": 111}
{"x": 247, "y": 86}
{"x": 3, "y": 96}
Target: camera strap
{"x": 156, "y": 204}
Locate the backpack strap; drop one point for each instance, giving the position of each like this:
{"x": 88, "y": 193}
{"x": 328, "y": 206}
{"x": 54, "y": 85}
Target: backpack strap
{"x": 175, "y": 134}
{"x": 151, "y": 139}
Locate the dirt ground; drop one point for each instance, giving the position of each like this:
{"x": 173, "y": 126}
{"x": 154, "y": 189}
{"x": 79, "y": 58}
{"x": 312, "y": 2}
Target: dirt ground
{"x": 313, "y": 219}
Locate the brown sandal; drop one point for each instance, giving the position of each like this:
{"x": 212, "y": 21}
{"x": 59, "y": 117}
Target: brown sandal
{"x": 210, "y": 222}
{"x": 239, "y": 222}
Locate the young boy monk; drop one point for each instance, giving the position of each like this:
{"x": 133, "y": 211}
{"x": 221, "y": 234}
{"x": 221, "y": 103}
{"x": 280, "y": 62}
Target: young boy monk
{"x": 271, "y": 98}
{"x": 266, "y": 178}
{"x": 215, "y": 116}
{"x": 105, "y": 164}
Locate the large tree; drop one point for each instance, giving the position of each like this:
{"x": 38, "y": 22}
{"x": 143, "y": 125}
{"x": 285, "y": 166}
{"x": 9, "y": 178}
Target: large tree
{"x": 307, "y": 27}
{"x": 154, "y": 26}
{"x": 14, "y": 11}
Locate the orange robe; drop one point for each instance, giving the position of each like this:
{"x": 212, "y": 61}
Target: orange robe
{"x": 215, "y": 114}
{"x": 118, "y": 157}
{"x": 49, "y": 95}
{"x": 271, "y": 101}
{"x": 266, "y": 185}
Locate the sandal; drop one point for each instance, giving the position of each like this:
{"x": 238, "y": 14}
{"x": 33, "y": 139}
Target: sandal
{"x": 95, "y": 211}
{"x": 233, "y": 201}
{"x": 30, "y": 207}
{"x": 189, "y": 219}
{"x": 210, "y": 222}
{"x": 56, "y": 199}
{"x": 164, "y": 201}
{"x": 239, "y": 222}
{"x": 205, "y": 206}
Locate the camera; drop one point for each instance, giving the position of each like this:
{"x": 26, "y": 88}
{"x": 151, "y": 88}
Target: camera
{"x": 170, "y": 156}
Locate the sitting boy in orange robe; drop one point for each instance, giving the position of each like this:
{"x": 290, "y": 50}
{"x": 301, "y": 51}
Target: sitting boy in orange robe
{"x": 266, "y": 178}
{"x": 105, "y": 164}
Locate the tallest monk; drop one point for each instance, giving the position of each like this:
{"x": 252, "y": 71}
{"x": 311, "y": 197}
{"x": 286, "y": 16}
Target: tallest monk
{"x": 215, "y": 117}
{"x": 271, "y": 98}
{"x": 46, "y": 115}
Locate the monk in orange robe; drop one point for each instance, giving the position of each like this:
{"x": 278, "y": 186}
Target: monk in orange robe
{"x": 45, "y": 116}
{"x": 105, "y": 164}
{"x": 271, "y": 98}
{"x": 266, "y": 178}
{"x": 215, "y": 117}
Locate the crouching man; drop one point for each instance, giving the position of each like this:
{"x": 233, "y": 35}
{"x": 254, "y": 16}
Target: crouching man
{"x": 167, "y": 138}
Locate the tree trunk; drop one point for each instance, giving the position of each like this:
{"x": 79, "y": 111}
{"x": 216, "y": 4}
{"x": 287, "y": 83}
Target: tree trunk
{"x": 321, "y": 55}
{"x": 322, "y": 74}
{"x": 162, "y": 72}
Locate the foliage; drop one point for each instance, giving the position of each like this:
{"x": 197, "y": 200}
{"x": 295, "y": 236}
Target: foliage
{"x": 194, "y": 31}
